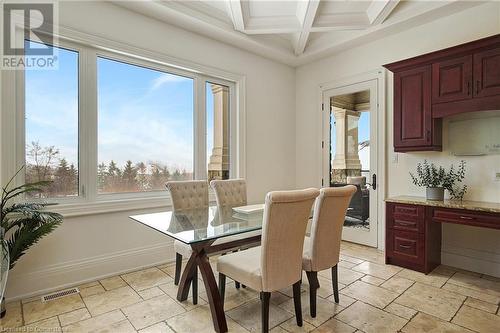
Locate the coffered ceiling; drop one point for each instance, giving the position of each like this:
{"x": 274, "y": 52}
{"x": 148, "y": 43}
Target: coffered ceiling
{"x": 296, "y": 31}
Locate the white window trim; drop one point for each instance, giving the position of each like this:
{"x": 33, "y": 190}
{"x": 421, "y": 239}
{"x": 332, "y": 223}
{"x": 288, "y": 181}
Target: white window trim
{"x": 12, "y": 151}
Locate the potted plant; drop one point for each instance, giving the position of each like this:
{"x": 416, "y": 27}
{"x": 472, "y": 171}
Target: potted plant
{"x": 436, "y": 179}
{"x": 22, "y": 224}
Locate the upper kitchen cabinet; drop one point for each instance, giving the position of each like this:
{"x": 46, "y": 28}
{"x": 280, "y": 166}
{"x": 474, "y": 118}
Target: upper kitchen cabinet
{"x": 452, "y": 80}
{"x": 487, "y": 73}
{"x": 427, "y": 88}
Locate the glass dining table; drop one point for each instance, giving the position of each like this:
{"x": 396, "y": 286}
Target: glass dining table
{"x": 200, "y": 228}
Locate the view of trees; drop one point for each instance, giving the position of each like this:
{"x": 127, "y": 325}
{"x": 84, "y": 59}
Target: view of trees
{"x": 45, "y": 163}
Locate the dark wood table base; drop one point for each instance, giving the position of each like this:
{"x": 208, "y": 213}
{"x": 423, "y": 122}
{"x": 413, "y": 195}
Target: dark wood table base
{"x": 199, "y": 259}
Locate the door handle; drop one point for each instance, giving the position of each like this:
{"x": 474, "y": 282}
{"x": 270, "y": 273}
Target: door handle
{"x": 374, "y": 182}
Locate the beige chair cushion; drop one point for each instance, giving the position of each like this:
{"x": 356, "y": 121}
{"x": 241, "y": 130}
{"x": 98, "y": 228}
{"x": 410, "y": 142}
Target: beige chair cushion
{"x": 357, "y": 180}
{"x": 190, "y": 194}
{"x": 243, "y": 266}
{"x": 322, "y": 248}
{"x": 231, "y": 192}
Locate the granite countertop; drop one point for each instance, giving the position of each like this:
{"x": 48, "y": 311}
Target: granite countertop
{"x": 482, "y": 206}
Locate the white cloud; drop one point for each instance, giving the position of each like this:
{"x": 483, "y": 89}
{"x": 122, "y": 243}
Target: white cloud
{"x": 165, "y": 78}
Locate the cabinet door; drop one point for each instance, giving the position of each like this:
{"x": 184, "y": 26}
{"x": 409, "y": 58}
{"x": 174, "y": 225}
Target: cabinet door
{"x": 412, "y": 109}
{"x": 452, "y": 80}
{"x": 487, "y": 73}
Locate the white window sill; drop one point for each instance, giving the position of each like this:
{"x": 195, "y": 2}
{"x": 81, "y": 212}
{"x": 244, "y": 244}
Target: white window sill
{"x": 115, "y": 205}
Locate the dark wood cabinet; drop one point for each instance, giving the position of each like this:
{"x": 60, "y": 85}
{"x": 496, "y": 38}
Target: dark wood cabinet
{"x": 487, "y": 73}
{"x": 413, "y": 123}
{"x": 464, "y": 78}
{"x": 452, "y": 80}
{"x": 413, "y": 232}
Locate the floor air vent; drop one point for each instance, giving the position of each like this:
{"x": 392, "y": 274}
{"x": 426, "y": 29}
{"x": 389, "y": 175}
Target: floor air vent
{"x": 60, "y": 294}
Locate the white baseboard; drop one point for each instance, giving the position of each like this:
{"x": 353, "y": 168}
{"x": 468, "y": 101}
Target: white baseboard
{"x": 471, "y": 260}
{"x": 69, "y": 274}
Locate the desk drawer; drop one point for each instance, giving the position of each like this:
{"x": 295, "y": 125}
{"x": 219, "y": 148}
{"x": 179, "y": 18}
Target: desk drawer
{"x": 406, "y": 246}
{"x": 406, "y": 217}
{"x": 467, "y": 217}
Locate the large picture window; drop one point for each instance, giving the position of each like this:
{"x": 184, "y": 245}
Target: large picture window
{"x": 145, "y": 127}
{"x": 51, "y": 126}
{"x": 106, "y": 126}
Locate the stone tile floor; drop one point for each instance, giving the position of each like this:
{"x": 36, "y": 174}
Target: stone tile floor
{"x": 374, "y": 297}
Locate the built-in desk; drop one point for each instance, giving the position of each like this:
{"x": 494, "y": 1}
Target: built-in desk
{"x": 413, "y": 227}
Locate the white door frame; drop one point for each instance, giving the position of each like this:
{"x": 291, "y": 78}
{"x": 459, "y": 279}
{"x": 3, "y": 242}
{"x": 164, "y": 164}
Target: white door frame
{"x": 378, "y": 76}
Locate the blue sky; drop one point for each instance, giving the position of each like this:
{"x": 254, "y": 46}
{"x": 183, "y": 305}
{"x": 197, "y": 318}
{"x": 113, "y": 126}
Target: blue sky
{"x": 143, "y": 114}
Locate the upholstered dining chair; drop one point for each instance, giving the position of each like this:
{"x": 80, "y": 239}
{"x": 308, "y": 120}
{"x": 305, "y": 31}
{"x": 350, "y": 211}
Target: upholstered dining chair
{"x": 187, "y": 195}
{"x": 322, "y": 248}
{"x": 276, "y": 264}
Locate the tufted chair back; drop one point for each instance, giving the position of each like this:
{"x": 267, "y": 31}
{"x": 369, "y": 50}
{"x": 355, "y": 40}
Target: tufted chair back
{"x": 231, "y": 192}
{"x": 283, "y": 231}
{"x": 326, "y": 229}
{"x": 189, "y": 194}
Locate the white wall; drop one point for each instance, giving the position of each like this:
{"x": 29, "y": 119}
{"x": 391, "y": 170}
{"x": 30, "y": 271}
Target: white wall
{"x": 468, "y": 247}
{"x": 90, "y": 246}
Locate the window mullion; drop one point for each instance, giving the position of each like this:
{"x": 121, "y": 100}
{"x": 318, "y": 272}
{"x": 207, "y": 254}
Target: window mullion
{"x": 200, "y": 129}
{"x": 88, "y": 124}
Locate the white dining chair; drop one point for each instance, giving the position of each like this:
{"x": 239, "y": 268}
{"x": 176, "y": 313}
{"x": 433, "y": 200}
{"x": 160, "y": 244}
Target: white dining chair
{"x": 277, "y": 263}
{"x": 322, "y": 248}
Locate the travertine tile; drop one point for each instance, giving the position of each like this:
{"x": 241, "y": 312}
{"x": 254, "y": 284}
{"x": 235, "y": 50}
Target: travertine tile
{"x": 199, "y": 320}
{"x": 344, "y": 300}
{"x": 157, "y": 328}
{"x": 348, "y": 276}
{"x": 325, "y": 286}
{"x": 481, "y": 305}
{"x": 46, "y": 325}
{"x": 372, "y": 280}
{"x": 434, "y": 301}
{"x": 346, "y": 258}
{"x": 171, "y": 290}
{"x": 73, "y": 316}
{"x": 324, "y": 309}
{"x": 93, "y": 290}
{"x": 433, "y": 279}
{"x": 291, "y": 326}
{"x": 476, "y": 283}
{"x": 370, "y": 294}
{"x": 477, "y": 320}
{"x": 346, "y": 264}
{"x": 150, "y": 293}
{"x": 400, "y": 310}
{"x": 365, "y": 253}
{"x": 111, "y": 300}
{"x": 423, "y": 323}
{"x": 397, "y": 284}
{"x": 88, "y": 285}
{"x": 370, "y": 319}
{"x": 334, "y": 326}
{"x": 113, "y": 321}
{"x": 152, "y": 311}
{"x": 36, "y": 310}
{"x": 278, "y": 298}
{"x": 146, "y": 278}
{"x": 472, "y": 293}
{"x": 13, "y": 317}
{"x": 113, "y": 282}
{"x": 278, "y": 329}
{"x": 377, "y": 270}
{"x": 248, "y": 315}
{"x": 235, "y": 297}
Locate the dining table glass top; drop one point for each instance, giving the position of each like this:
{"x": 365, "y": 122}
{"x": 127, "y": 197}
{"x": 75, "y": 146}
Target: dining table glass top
{"x": 202, "y": 224}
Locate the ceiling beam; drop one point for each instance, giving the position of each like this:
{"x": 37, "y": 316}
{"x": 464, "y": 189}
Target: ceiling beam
{"x": 306, "y": 12}
{"x": 237, "y": 14}
{"x": 379, "y": 10}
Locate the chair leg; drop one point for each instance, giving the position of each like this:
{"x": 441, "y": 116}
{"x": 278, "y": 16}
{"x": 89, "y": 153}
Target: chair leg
{"x": 178, "y": 266}
{"x": 236, "y": 284}
{"x": 222, "y": 287}
{"x": 296, "y": 303}
{"x": 265, "y": 296}
{"x": 312, "y": 277}
{"x": 335, "y": 283}
{"x": 243, "y": 286}
{"x": 195, "y": 286}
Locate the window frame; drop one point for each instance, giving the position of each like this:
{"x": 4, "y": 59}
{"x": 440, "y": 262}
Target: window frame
{"x": 88, "y": 200}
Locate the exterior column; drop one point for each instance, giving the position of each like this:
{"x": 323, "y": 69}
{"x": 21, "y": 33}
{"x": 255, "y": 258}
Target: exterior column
{"x": 218, "y": 165}
{"x": 346, "y": 160}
